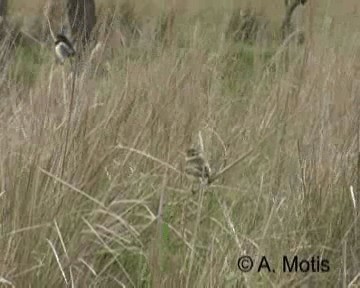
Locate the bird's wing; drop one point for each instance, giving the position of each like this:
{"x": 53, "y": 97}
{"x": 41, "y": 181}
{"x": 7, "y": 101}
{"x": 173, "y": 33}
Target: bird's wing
{"x": 207, "y": 170}
{"x": 193, "y": 171}
{"x": 68, "y": 49}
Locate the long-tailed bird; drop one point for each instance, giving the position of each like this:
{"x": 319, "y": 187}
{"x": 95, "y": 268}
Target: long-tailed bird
{"x": 63, "y": 48}
{"x": 196, "y": 166}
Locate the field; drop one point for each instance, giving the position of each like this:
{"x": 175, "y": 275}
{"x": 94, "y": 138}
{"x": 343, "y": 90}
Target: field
{"x": 92, "y": 153}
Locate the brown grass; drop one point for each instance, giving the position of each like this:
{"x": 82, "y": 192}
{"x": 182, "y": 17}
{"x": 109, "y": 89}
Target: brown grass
{"x": 113, "y": 208}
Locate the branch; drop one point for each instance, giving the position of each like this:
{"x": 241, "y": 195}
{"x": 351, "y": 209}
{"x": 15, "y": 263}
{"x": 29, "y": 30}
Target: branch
{"x": 231, "y": 165}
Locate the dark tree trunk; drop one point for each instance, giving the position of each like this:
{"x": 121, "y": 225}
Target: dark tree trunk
{"x": 3, "y": 12}
{"x": 290, "y": 7}
{"x": 3, "y": 8}
{"x": 82, "y": 19}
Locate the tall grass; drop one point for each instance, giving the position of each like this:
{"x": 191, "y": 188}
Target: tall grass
{"x": 118, "y": 212}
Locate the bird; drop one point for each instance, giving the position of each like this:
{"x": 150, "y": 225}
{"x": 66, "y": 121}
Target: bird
{"x": 196, "y": 166}
{"x": 63, "y": 48}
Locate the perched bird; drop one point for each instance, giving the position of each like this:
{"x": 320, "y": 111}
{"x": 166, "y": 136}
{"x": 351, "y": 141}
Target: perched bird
{"x": 63, "y": 48}
{"x": 196, "y": 166}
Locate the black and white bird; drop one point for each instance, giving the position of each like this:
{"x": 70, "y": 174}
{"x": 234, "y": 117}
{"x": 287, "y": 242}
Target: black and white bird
{"x": 63, "y": 48}
{"x": 196, "y": 166}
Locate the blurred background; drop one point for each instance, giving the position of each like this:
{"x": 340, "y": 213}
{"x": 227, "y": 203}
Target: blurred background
{"x": 92, "y": 184}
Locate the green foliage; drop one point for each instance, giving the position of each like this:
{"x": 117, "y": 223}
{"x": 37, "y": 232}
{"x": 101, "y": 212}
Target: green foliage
{"x": 28, "y": 62}
{"x": 137, "y": 107}
{"x": 239, "y": 65}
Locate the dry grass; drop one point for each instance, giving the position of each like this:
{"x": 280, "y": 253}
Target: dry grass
{"x": 92, "y": 191}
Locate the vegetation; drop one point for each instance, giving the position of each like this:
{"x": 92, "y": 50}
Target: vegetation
{"x": 92, "y": 184}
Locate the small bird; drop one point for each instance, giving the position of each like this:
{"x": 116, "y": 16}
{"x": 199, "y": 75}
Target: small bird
{"x": 196, "y": 166}
{"x": 63, "y": 48}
